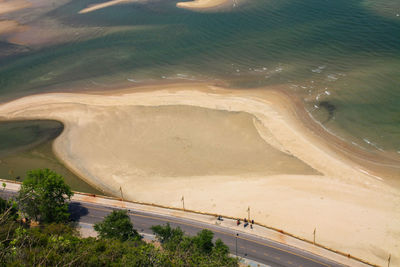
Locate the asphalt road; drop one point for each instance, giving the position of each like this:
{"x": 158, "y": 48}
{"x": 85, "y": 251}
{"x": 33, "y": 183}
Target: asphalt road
{"x": 243, "y": 245}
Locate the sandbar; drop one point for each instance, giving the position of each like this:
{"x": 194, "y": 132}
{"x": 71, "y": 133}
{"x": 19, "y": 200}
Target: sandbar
{"x": 223, "y": 150}
{"x": 205, "y": 4}
{"x": 104, "y": 5}
{"x": 8, "y": 6}
{"x": 8, "y": 26}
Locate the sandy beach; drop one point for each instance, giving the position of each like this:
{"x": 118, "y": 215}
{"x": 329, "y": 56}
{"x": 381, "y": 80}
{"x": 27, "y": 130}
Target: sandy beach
{"x": 224, "y": 151}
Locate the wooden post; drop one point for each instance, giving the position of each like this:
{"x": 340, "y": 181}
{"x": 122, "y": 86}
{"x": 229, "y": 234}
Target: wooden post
{"x": 315, "y": 229}
{"x": 248, "y": 213}
{"x": 183, "y": 202}
{"x": 390, "y": 255}
{"x": 122, "y": 196}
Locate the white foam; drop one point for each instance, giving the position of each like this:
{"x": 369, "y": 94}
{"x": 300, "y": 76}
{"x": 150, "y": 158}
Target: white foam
{"x": 319, "y": 69}
{"x": 260, "y": 69}
{"x": 316, "y": 70}
{"x": 372, "y": 144}
{"x": 319, "y": 95}
{"x": 332, "y": 77}
{"x": 367, "y": 173}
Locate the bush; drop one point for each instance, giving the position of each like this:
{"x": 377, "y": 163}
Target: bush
{"x": 117, "y": 225}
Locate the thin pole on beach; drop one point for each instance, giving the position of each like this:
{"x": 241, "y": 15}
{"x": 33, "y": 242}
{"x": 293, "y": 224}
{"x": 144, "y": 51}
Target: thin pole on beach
{"x": 390, "y": 255}
{"x": 122, "y": 196}
{"x": 315, "y": 230}
{"x": 248, "y": 213}
{"x": 183, "y": 202}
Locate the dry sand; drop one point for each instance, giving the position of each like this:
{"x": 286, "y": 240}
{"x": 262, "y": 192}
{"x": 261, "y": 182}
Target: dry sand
{"x": 223, "y": 151}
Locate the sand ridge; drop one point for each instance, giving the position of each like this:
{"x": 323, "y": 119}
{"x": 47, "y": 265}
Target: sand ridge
{"x": 352, "y": 211}
{"x": 106, "y": 4}
{"x": 204, "y": 5}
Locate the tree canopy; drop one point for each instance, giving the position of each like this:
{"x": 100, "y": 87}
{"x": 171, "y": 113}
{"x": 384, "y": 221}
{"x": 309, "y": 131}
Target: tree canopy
{"x": 196, "y": 250}
{"x": 43, "y": 196}
{"x": 117, "y": 225}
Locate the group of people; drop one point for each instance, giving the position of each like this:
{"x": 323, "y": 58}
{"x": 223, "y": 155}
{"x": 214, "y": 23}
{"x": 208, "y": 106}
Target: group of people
{"x": 246, "y": 223}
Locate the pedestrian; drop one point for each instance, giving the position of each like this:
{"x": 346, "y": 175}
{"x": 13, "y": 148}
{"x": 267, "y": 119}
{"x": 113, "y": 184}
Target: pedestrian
{"x": 252, "y": 221}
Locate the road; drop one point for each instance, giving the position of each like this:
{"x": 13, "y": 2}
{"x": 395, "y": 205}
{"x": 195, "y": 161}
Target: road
{"x": 262, "y": 250}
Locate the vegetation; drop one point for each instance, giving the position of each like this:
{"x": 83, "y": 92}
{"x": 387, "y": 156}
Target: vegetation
{"x": 43, "y": 197}
{"x": 193, "y": 251}
{"x": 117, "y": 225}
{"x": 56, "y": 243}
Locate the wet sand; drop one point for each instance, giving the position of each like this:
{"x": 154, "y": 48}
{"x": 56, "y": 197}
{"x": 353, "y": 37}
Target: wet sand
{"x": 8, "y": 6}
{"x": 223, "y": 151}
{"x": 9, "y": 26}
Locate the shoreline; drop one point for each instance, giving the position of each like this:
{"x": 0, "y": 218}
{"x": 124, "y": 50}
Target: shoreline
{"x": 341, "y": 201}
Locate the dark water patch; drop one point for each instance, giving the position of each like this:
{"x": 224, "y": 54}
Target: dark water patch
{"x": 9, "y": 50}
{"x": 16, "y": 136}
{"x": 330, "y": 108}
{"x": 27, "y": 145}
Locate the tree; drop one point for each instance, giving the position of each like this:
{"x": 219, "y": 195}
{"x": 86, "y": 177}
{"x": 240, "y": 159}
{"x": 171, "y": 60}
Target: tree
{"x": 117, "y": 225}
{"x": 43, "y": 196}
{"x": 8, "y": 210}
{"x": 203, "y": 241}
{"x": 166, "y": 233}
{"x": 198, "y": 250}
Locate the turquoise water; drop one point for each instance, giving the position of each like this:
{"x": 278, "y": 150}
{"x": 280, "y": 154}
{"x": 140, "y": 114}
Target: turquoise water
{"x": 344, "y": 54}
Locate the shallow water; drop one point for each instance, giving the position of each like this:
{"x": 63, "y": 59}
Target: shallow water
{"x": 343, "y": 53}
{"x": 26, "y": 145}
